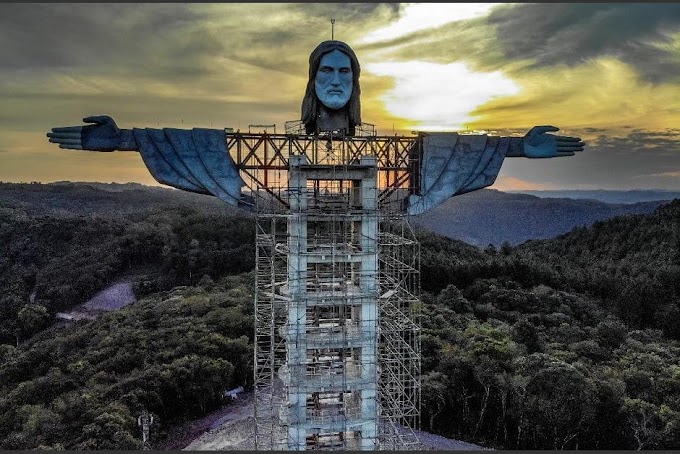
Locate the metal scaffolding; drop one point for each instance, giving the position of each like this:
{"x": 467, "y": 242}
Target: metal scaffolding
{"x": 262, "y": 160}
{"x": 337, "y": 352}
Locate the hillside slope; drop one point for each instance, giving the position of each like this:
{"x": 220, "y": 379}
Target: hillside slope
{"x": 493, "y": 217}
{"x": 631, "y": 262}
{"x": 564, "y": 343}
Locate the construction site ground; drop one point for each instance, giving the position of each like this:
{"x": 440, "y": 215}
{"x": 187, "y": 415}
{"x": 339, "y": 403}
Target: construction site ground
{"x": 232, "y": 427}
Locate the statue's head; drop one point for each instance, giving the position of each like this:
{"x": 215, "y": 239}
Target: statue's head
{"x": 333, "y": 82}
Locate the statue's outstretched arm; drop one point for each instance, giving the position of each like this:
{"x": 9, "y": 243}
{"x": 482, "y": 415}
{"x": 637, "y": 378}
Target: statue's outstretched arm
{"x": 537, "y": 144}
{"x": 195, "y": 160}
{"x": 102, "y": 135}
{"x": 453, "y": 164}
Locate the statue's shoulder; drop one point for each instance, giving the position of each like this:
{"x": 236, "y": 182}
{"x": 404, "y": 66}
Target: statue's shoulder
{"x": 453, "y": 140}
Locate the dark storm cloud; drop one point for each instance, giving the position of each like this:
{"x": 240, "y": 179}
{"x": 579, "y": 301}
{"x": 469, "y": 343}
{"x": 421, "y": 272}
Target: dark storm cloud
{"x": 571, "y": 33}
{"x": 346, "y": 13}
{"x": 174, "y": 41}
{"x": 552, "y": 34}
{"x": 641, "y": 157}
{"x": 284, "y": 45}
{"x": 155, "y": 37}
{"x": 644, "y": 143}
{"x": 28, "y": 34}
{"x": 271, "y": 49}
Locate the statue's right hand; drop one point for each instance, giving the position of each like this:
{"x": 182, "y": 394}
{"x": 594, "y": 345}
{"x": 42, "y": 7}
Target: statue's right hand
{"x": 102, "y": 135}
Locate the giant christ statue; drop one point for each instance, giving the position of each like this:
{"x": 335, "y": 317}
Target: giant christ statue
{"x": 341, "y": 389}
{"x": 198, "y": 160}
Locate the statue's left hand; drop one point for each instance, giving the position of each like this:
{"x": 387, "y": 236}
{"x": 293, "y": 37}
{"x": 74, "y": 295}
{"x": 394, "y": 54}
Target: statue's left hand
{"x": 102, "y": 135}
{"x": 538, "y": 144}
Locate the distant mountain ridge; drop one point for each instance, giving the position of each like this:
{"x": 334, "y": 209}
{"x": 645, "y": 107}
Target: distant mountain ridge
{"x": 479, "y": 218}
{"x": 606, "y": 195}
{"x": 493, "y": 217}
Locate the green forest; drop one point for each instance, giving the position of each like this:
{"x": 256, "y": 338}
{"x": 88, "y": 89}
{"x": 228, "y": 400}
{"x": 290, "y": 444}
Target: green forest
{"x": 567, "y": 343}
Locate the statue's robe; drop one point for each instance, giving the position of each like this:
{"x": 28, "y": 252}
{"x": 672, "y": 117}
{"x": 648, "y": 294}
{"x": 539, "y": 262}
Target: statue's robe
{"x": 453, "y": 164}
{"x": 197, "y": 160}
{"x": 193, "y": 160}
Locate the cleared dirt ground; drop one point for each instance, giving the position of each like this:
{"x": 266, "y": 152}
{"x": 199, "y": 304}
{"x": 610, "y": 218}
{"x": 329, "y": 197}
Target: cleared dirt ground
{"x": 110, "y": 299}
{"x": 233, "y": 428}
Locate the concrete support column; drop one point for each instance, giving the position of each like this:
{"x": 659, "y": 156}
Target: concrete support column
{"x": 296, "y": 346}
{"x": 369, "y": 308}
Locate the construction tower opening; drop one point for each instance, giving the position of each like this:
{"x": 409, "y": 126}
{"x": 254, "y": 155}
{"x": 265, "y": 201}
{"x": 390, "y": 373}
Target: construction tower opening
{"x": 337, "y": 353}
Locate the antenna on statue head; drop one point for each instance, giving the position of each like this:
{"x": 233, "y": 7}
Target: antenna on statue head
{"x": 332, "y": 29}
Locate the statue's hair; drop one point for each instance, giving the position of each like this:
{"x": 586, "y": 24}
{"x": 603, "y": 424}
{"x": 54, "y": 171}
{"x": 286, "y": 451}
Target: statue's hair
{"x": 310, "y": 103}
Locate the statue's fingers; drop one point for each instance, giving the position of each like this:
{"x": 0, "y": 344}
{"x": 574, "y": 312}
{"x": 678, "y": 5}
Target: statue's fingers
{"x": 65, "y": 135}
{"x": 71, "y": 147}
{"x": 570, "y": 145}
{"x": 565, "y": 153}
{"x": 98, "y": 119}
{"x": 68, "y": 129}
{"x": 544, "y": 128}
{"x": 568, "y": 139}
{"x": 568, "y": 149}
{"x": 66, "y": 141}
{"x": 570, "y": 142}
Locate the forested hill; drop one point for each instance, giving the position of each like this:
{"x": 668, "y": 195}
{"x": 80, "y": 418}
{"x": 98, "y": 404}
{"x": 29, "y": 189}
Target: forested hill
{"x": 67, "y": 198}
{"x": 489, "y": 216}
{"x": 564, "y": 343}
{"x": 631, "y": 262}
{"x": 62, "y": 243}
{"x": 568, "y": 343}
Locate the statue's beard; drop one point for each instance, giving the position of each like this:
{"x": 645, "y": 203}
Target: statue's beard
{"x": 334, "y": 98}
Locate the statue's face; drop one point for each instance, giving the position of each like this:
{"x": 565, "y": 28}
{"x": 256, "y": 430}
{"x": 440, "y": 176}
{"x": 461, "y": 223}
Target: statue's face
{"x": 333, "y": 82}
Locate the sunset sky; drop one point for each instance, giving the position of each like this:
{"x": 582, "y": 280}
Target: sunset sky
{"x": 609, "y": 73}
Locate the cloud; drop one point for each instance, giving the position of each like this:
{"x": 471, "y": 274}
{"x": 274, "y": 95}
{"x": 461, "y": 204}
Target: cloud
{"x": 146, "y": 61}
{"x": 471, "y": 41}
{"x": 437, "y": 97}
{"x": 414, "y": 17}
{"x": 641, "y": 159}
{"x": 206, "y": 63}
{"x": 281, "y": 37}
{"x": 591, "y": 131}
{"x": 645, "y": 144}
{"x": 673, "y": 174}
{"x": 640, "y": 34}
{"x": 103, "y": 35}
{"x": 605, "y": 93}
{"x": 508, "y": 183}
{"x": 172, "y": 41}
{"x": 517, "y": 37}
{"x": 348, "y": 15}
